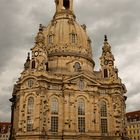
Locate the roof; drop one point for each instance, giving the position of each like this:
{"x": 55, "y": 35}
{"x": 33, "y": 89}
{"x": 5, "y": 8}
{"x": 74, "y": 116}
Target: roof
{"x": 4, "y": 127}
{"x": 133, "y": 115}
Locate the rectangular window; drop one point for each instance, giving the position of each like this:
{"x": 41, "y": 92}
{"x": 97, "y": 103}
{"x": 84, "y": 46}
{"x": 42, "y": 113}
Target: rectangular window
{"x": 103, "y": 112}
{"x": 104, "y": 129}
{"x": 50, "y": 39}
{"x": 81, "y": 124}
{"x": 54, "y": 124}
{"x": 30, "y": 110}
{"x": 73, "y": 39}
{"x": 105, "y": 73}
{"x": 29, "y": 124}
{"x": 81, "y": 111}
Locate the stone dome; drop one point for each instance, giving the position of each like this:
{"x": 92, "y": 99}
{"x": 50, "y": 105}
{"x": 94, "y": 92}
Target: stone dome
{"x": 67, "y": 36}
{"x": 64, "y": 36}
{"x": 64, "y": 41}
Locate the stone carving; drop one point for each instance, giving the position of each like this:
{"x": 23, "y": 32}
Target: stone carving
{"x": 106, "y": 48}
{"x": 84, "y": 27}
{"x": 70, "y": 21}
{"x": 40, "y": 39}
{"x": 118, "y": 114}
{"x": 27, "y": 63}
{"x": 54, "y": 55}
{"x": 117, "y": 105}
{"x": 53, "y": 22}
{"x": 69, "y": 49}
{"x": 40, "y": 66}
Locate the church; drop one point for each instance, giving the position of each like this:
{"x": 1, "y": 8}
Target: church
{"x": 59, "y": 95}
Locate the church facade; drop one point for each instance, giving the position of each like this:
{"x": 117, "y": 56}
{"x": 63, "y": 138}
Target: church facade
{"x": 59, "y": 95}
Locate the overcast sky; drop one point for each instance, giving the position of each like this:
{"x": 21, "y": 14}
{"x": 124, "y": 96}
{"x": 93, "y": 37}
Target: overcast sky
{"x": 119, "y": 19}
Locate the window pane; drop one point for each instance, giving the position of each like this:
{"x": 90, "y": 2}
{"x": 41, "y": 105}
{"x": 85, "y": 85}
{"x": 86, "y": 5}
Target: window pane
{"x": 29, "y": 123}
{"x": 104, "y": 126}
{"x": 54, "y": 106}
{"x": 77, "y": 66}
{"x": 30, "y": 83}
{"x": 81, "y": 124}
{"x": 50, "y": 39}
{"x": 30, "y": 107}
{"x": 105, "y": 73}
{"x": 33, "y": 64}
{"x": 54, "y": 124}
{"x": 73, "y": 38}
{"x": 81, "y": 107}
{"x": 103, "y": 109}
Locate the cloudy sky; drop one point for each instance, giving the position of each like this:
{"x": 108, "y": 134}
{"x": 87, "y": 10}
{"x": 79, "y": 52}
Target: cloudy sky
{"x": 119, "y": 19}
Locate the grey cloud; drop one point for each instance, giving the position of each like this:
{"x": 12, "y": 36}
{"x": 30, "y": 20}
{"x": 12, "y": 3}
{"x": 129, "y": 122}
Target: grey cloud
{"x": 5, "y": 107}
{"x": 120, "y": 20}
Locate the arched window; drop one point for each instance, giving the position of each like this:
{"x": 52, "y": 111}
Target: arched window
{"x": 66, "y": 4}
{"x": 47, "y": 67}
{"x": 54, "y": 115}
{"x": 54, "y": 106}
{"x": 81, "y": 115}
{"x": 30, "y": 110}
{"x": 30, "y": 83}
{"x": 33, "y": 64}
{"x": 103, "y": 115}
{"x": 30, "y": 107}
{"x": 50, "y": 39}
{"x": 105, "y": 73}
{"x": 73, "y": 38}
{"x": 103, "y": 109}
{"x": 81, "y": 107}
{"x": 77, "y": 66}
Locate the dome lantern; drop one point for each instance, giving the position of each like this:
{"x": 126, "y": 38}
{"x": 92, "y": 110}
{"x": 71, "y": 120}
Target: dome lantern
{"x": 64, "y": 8}
{"x": 64, "y": 5}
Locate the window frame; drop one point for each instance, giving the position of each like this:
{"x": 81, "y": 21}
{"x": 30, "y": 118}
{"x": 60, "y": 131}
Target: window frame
{"x": 104, "y": 126}
{"x": 54, "y": 114}
{"x": 73, "y": 38}
{"x": 54, "y": 123}
{"x": 77, "y": 66}
{"x": 81, "y": 115}
{"x": 54, "y": 106}
{"x": 106, "y": 74}
{"x": 81, "y": 107}
{"x": 30, "y": 105}
{"x": 30, "y": 113}
{"x": 103, "y": 117}
{"x": 81, "y": 124}
{"x": 50, "y": 38}
{"x": 29, "y": 124}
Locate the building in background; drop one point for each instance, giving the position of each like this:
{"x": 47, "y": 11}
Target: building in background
{"x": 133, "y": 125}
{"x": 59, "y": 95}
{"x": 4, "y": 130}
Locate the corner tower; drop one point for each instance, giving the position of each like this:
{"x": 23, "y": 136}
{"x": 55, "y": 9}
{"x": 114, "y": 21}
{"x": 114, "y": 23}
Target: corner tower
{"x": 59, "y": 95}
{"x": 107, "y": 62}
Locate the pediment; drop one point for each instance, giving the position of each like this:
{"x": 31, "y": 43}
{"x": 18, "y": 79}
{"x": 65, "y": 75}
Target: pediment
{"x": 26, "y": 77}
{"x": 88, "y": 79}
{"x": 28, "y": 82}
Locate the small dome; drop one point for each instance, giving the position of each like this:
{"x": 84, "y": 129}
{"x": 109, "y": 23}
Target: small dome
{"x": 64, "y": 36}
